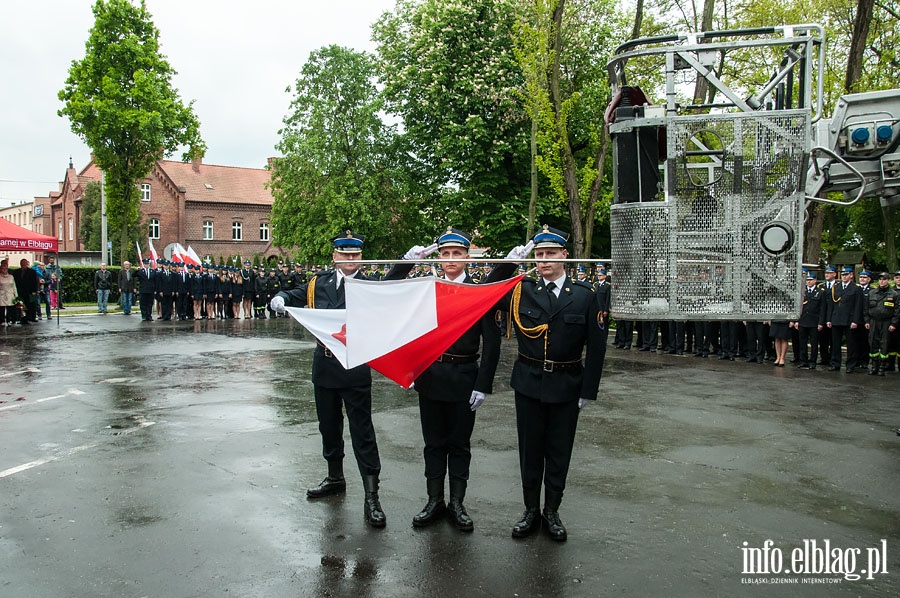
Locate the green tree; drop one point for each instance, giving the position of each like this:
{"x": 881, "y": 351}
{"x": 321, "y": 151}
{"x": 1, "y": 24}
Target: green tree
{"x": 89, "y": 230}
{"x": 450, "y": 74}
{"x": 337, "y": 170}
{"x": 567, "y": 86}
{"x": 119, "y": 99}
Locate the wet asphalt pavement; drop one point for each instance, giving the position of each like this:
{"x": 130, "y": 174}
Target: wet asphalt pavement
{"x": 170, "y": 459}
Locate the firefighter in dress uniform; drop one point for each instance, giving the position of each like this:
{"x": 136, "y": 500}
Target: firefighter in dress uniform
{"x": 337, "y": 388}
{"x": 555, "y": 319}
{"x": 450, "y": 391}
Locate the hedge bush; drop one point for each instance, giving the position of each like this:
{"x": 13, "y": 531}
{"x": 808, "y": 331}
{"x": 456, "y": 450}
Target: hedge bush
{"x": 78, "y": 284}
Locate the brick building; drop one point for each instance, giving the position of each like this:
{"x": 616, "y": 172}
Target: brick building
{"x": 220, "y": 211}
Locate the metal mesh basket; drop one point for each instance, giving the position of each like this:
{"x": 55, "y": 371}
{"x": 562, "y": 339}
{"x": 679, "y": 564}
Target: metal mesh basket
{"x": 734, "y": 182}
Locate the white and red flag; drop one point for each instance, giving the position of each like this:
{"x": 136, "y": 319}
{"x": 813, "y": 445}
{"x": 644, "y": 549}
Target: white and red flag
{"x": 193, "y": 255}
{"x": 153, "y": 256}
{"x": 140, "y": 257}
{"x": 400, "y": 327}
{"x": 180, "y": 254}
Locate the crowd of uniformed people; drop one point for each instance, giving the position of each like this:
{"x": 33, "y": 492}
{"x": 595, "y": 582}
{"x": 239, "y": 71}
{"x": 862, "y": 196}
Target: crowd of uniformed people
{"x": 846, "y": 319}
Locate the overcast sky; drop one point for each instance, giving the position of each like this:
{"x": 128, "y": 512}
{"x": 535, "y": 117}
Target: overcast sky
{"x": 234, "y": 57}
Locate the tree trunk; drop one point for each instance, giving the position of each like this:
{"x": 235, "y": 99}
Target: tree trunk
{"x": 701, "y": 88}
{"x": 864, "y": 10}
{"x": 567, "y": 159}
{"x": 595, "y": 194}
{"x": 813, "y": 248}
{"x": 638, "y": 19}
{"x": 532, "y": 203}
{"x": 890, "y": 234}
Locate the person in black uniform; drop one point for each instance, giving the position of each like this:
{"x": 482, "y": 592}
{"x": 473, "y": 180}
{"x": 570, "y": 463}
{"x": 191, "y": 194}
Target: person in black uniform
{"x": 844, "y": 305}
{"x": 146, "y": 289}
{"x": 862, "y": 335}
{"x": 882, "y": 320}
{"x": 811, "y": 322}
{"x": 555, "y": 318}
{"x": 249, "y": 284}
{"x": 602, "y": 290}
{"x": 825, "y": 337}
{"x": 337, "y": 388}
{"x": 450, "y": 391}
{"x": 259, "y": 289}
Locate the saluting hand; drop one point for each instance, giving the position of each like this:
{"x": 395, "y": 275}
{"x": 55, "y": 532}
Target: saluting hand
{"x": 417, "y": 252}
{"x": 520, "y": 252}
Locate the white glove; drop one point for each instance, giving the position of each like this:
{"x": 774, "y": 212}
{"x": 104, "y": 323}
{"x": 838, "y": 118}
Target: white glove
{"x": 277, "y": 304}
{"x": 417, "y": 252}
{"x": 476, "y": 400}
{"x": 520, "y": 252}
{"x": 582, "y": 403}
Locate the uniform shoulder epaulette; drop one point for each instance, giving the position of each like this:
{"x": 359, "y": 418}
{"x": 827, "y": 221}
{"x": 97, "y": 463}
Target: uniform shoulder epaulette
{"x": 324, "y": 273}
{"x": 529, "y": 280}
{"x": 584, "y": 284}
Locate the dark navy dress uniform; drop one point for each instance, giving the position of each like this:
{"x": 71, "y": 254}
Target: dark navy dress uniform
{"x": 844, "y": 304}
{"x": 337, "y": 388}
{"x": 146, "y": 290}
{"x": 445, "y": 390}
{"x": 812, "y": 315}
{"x": 549, "y": 377}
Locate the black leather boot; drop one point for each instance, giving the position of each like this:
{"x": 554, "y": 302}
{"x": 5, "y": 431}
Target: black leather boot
{"x": 874, "y": 366}
{"x": 458, "y": 513}
{"x": 555, "y": 527}
{"x": 371, "y": 506}
{"x": 881, "y": 366}
{"x": 333, "y": 484}
{"x": 531, "y": 518}
{"x": 435, "y": 506}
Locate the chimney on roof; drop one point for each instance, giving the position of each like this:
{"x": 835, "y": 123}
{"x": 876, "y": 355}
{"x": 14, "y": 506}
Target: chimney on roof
{"x": 270, "y": 162}
{"x": 70, "y": 162}
{"x": 195, "y": 164}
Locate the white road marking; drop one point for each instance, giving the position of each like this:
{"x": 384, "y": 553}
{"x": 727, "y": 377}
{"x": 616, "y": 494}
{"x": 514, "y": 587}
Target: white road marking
{"x": 71, "y": 391}
{"x": 68, "y": 453}
{"x": 25, "y": 371}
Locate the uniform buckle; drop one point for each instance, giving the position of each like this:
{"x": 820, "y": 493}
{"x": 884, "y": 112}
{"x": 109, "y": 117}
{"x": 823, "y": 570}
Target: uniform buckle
{"x": 548, "y": 366}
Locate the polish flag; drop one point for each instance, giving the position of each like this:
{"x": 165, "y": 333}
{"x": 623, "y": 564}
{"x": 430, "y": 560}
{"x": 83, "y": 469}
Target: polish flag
{"x": 400, "y": 327}
{"x": 182, "y": 255}
{"x": 193, "y": 255}
{"x": 140, "y": 257}
{"x": 153, "y": 256}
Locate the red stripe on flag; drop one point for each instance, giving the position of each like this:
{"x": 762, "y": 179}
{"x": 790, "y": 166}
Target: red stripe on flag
{"x": 459, "y": 307}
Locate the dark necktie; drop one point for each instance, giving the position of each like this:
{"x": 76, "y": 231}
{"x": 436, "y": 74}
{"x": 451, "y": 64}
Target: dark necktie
{"x": 551, "y": 286}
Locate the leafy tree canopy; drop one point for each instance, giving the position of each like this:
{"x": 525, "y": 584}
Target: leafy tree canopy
{"x": 119, "y": 99}
{"x": 338, "y": 169}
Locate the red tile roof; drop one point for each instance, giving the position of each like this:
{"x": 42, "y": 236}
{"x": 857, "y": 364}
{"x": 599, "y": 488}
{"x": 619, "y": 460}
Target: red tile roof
{"x": 219, "y": 184}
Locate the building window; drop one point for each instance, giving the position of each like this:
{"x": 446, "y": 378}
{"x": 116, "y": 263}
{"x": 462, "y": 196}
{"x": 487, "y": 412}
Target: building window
{"x": 145, "y": 191}
{"x": 207, "y": 230}
{"x": 154, "y": 228}
{"x": 263, "y": 231}
{"x": 236, "y": 231}
{"x": 60, "y": 231}
{"x": 71, "y": 229}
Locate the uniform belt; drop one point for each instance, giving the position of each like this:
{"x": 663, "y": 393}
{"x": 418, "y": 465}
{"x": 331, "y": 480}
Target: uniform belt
{"x": 552, "y": 366}
{"x": 327, "y": 351}
{"x": 451, "y": 358}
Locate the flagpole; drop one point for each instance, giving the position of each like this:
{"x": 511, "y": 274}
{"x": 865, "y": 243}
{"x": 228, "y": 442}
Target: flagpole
{"x": 477, "y": 261}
